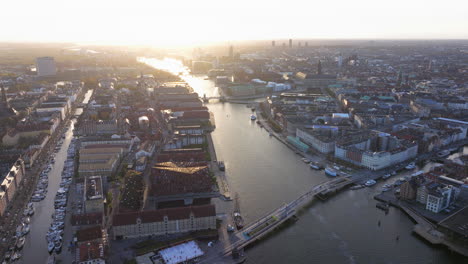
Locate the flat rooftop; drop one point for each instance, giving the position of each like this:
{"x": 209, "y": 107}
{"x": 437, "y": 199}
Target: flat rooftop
{"x": 93, "y": 188}
{"x": 181, "y": 253}
{"x": 457, "y": 222}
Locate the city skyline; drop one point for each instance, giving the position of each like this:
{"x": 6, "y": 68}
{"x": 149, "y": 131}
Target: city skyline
{"x": 185, "y": 24}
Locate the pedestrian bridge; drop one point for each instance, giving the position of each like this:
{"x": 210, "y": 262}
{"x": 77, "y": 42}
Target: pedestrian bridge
{"x": 274, "y": 219}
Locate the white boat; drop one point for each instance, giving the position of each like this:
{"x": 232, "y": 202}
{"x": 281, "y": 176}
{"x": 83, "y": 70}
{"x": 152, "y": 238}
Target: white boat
{"x": 305, "y": 160}
{"x": 20, "y": 242}
{"x": 253, "y": 117}
{"x": 357, "y": 187}
{"x": 50, "y": 247}
{"x": 16, "y": 256}
{"x": 314, "y": 166}
{"x": 386, "y": 176}
{"x": 410, "y": 166}
{"x": 386, "y": 187}
{"x": 58, "y": 247}
{"x": 31, "y": 211}
{"x": 19, "y": 230}
{"x": 370, "y": 183}
{"x": 230, "y": 228}
{"x": 330, "y": 172}
{"x": 26, "y": 229}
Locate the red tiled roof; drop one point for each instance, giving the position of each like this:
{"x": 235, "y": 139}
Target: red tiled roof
{"x": 86, "y": 219}
{"x": 158, "y": 215}
{"x": 92, "y": 251}
{"x": 90, "y": 233}
{"x": 180, "y": 180}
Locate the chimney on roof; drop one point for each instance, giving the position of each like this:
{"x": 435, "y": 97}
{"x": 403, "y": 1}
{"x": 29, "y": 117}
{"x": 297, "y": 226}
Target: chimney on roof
{"x": 4, "y": 98}
{"x": 319, "y": 68}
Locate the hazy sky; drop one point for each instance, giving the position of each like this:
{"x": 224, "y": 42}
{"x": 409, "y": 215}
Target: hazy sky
{"x": 199, "y": 21}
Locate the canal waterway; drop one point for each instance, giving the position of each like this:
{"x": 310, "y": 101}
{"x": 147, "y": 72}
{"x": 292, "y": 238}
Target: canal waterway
{"x": 266, "y": 173}
{"x": 35, "y": 247}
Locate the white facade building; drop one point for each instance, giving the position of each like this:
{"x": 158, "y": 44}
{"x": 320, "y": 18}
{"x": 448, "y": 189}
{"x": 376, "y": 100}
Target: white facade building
{"x": 439, "y": 200}
{"x": 45, "y": 66}
{"x": 321, "y": 144}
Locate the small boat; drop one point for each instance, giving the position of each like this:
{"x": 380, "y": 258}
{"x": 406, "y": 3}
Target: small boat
{"x": 50, "y": 247}
{"x": 370, "y": 183}
{"x": 410, "y": 166}
{"x": 31, "y": 211}
{"x": 330, "y": 172}
{"x": 253, "y": 117}
{"x": 383, "y": 206}
{"x": 15, "y": 256}
{"x": 357, "y": 187}
{"x": 20, "y": 243}
{"x": 230, "y": 228}
{"x": 386, "y": 176}
{"x": 443, "y": 153}
{"x": 221, "y": 166}
{"x": 19, "y": 230}
{"x": 26, "y": 229}
{"x": 305, "y": 160}
{"x": 238, "y": 219}
{"x": 58, "y": 247}
{"x": 314, "y": 165}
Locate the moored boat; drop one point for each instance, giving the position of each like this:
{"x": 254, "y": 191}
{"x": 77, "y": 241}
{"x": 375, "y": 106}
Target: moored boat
{"x": 357, "y": 187}
{"x": 238, "y": 219}
{"x": 386, "y": 176}
{"x": 20, "y": 243}
{"x": 443, "y": 153}
{"x": 410, "y": 166}
{"x": 58, "y": 247}
{"x": 50, "y": 247}
{"x": 230, "y": 228}
{"x": 370, "y": 183}
{"x": 253, "y": 117}
{"x": 315, "y": 165}
{"x": 15, "y": 256}
{"x": 331, "y": 172}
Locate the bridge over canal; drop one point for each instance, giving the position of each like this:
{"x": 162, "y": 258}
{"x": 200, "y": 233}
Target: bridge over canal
{"x": 266, "y": 224}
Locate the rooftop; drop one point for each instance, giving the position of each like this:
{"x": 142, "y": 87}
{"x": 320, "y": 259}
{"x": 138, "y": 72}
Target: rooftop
{"x": 457, "y": 222}
{"x": 178, "y": 213}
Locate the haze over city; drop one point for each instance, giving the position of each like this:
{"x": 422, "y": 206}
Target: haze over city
{"x": 163, "y": 23}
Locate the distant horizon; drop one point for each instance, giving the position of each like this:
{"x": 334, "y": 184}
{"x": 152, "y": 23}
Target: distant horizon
{"x": 192, "y": 23}
{"x": 279, "y": 42}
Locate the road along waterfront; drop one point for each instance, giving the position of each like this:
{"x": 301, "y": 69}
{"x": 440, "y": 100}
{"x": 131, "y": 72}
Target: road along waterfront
{"x": 344, "y": 229}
